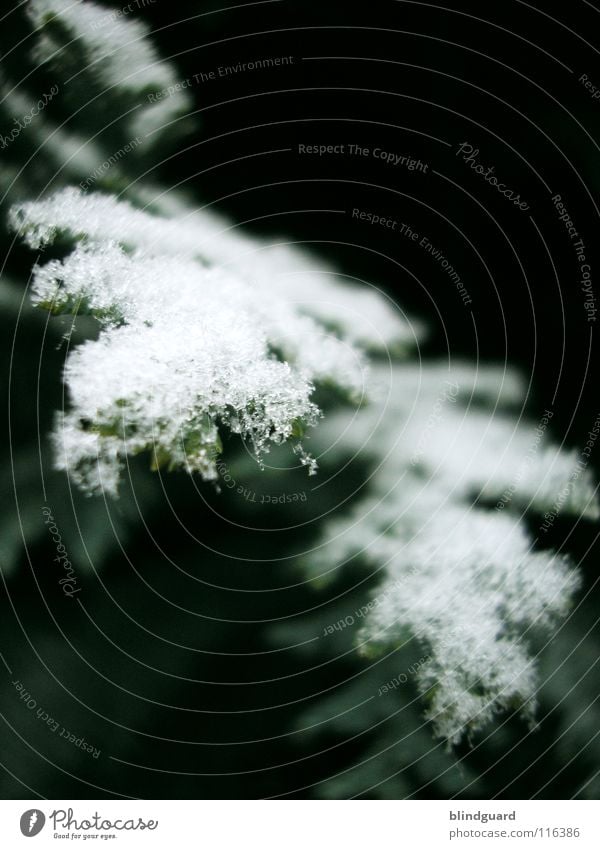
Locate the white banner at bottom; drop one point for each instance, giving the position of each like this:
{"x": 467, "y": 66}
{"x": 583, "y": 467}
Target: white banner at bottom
{"x": 298, "y": 824}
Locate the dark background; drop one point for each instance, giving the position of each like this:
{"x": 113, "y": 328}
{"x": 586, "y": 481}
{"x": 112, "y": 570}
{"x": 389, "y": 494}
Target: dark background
{"x": 179, "y": 687}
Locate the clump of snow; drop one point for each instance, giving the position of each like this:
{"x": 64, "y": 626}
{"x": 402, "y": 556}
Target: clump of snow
{"x": 359, "y": 315}
{"x": 188, "y": 344}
